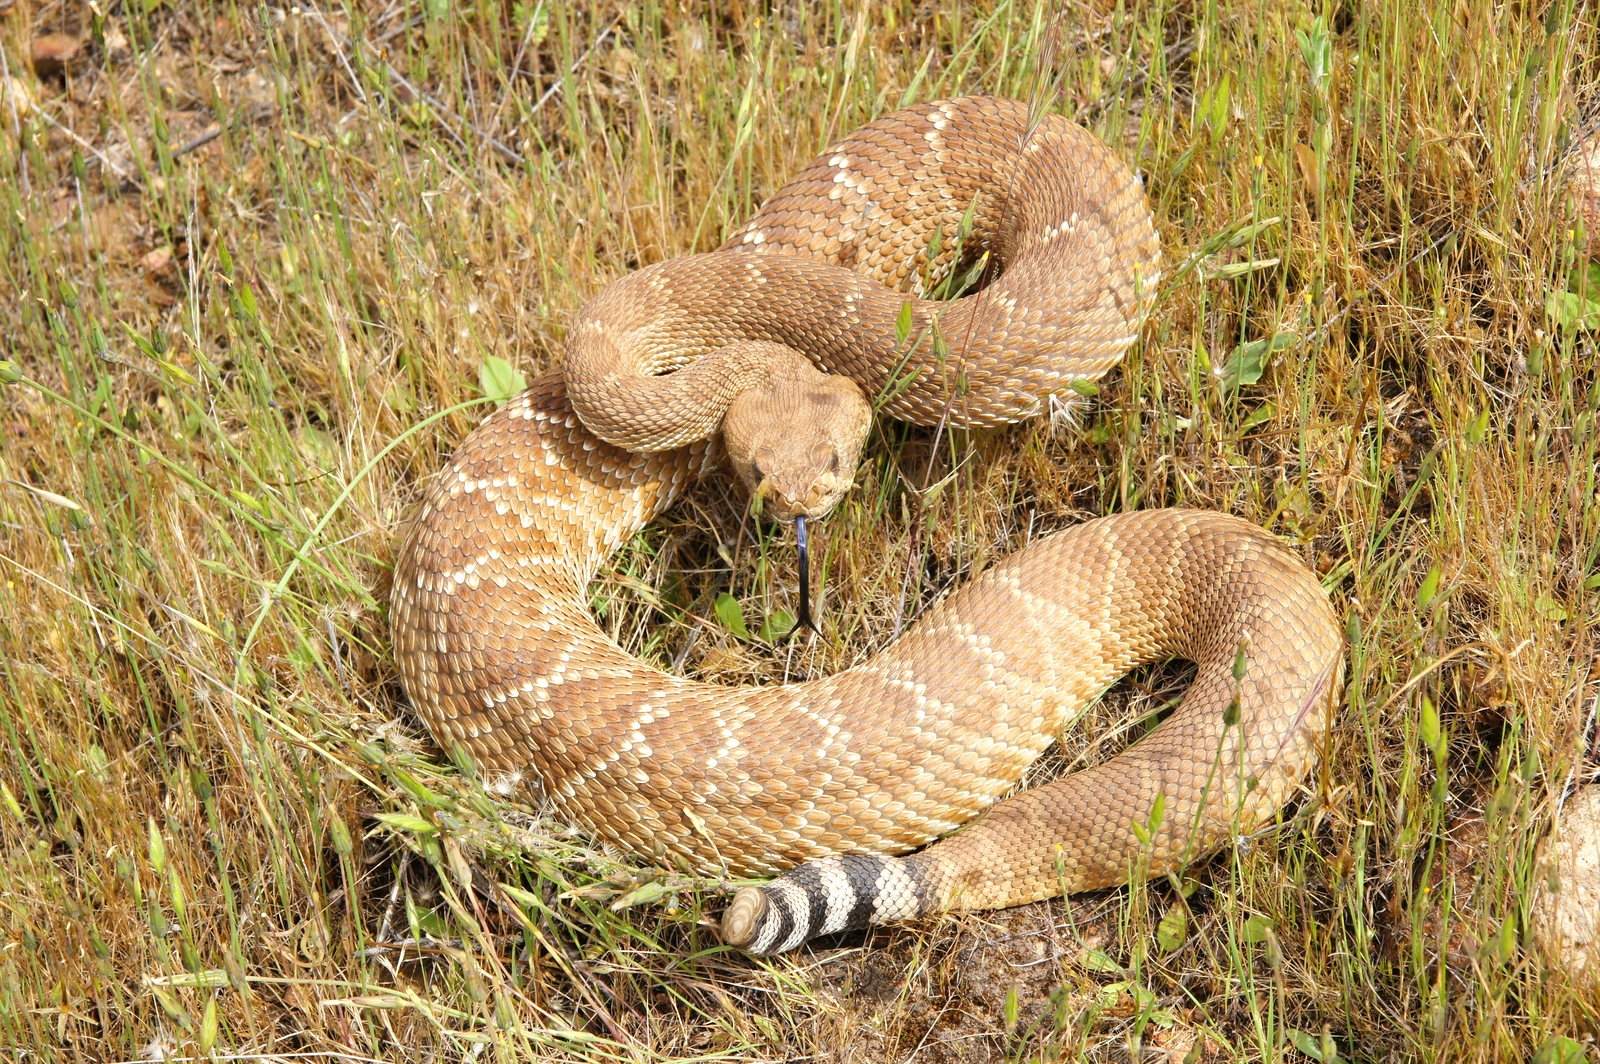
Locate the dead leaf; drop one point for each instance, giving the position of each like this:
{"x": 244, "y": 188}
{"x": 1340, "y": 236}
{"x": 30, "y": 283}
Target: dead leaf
{"x": 157, "y": 259}
{"x": 1308, "y": 170}
{"x": 52, "y": 53}
{"x": 116, "y": 41}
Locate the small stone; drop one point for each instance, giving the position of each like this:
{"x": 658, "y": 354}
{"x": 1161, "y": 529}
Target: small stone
{"x": 52, "y": 53}
{"x": 1567, "y": 919}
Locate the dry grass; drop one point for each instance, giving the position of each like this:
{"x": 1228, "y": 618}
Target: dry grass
{"x": 223, "y": 832}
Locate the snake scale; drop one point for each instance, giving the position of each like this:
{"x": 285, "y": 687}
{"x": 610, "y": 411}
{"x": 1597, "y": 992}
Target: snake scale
{"x": 826, "y": 783}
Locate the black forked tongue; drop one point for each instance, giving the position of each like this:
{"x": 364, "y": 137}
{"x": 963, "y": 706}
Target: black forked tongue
{"x": 804, "y": 620}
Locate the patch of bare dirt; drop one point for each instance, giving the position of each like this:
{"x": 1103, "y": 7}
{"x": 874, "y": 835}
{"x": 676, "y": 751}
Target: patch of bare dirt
{"x": 983, "y": 987}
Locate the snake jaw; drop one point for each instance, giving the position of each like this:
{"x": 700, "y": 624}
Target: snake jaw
{"x": 789, "y": 494}
{"x": 796, "y": 438}
{"x": 742, "y": 919}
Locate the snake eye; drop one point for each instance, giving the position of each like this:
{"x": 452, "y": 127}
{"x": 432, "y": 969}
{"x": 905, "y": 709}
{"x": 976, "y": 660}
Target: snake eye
{"x": 762, "y": 463}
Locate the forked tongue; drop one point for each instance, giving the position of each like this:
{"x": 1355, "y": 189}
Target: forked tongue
{"x": 804, "y": 620}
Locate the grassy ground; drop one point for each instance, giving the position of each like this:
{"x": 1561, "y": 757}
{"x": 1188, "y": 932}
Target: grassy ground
{"x": 256, "y": 264}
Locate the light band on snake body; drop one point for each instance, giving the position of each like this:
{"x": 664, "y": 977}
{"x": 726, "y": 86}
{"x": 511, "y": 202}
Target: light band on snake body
{"x": 824, "y": 273}
{"x": 845, "y": 893}
{"x": 499, "y": 653}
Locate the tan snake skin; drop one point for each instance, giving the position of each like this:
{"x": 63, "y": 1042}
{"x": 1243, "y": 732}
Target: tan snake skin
{"x": 831, "y": 258}
{"x": 499, "y": 653}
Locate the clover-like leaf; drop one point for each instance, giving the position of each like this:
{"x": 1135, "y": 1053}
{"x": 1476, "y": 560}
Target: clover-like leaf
{"x": 731, "y": 614}
{"x": 499, "y": 379}
{"x": 1173, "y": 931}
{"x": 1247, "y": 362}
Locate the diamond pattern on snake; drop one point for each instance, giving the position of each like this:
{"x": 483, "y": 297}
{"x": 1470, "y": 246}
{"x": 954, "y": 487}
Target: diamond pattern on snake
{"x": 871, "y": 795}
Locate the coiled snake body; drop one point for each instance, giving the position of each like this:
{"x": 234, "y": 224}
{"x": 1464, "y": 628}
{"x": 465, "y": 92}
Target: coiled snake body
{"x": 499, "y": 653}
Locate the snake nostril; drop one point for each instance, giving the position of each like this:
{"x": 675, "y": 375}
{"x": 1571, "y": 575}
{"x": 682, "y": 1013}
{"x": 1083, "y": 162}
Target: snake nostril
{"x": 825, "y": 458}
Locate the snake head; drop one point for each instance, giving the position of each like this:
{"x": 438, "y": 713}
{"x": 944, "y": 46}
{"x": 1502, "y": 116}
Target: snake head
{"x": 795, "y": 439}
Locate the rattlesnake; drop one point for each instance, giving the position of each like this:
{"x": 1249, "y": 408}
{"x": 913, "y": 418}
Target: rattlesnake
{"x": 499, "y": 653}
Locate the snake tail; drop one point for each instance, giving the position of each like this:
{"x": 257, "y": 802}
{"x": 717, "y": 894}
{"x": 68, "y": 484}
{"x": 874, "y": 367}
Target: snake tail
{"x": 968, "y": 870}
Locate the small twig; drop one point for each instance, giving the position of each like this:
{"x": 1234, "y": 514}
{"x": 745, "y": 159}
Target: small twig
{"x": 16, "y": 120}
{"x": 445, "y": 115}
{"x": 584, "y": 980}
{"x": 1322, "y": 333}
{"x": 1177, "y": 51}
{"x": 948, "y": 1001}
{"x": 339, "y": 50}
{"x": 1584, "y": 740}
{"x": 688, "y": 644}
{"x": 212, "y": 133}
{"x": 396, "y": 30}
{"x": 527, "y": 38}
{"x": 425, "y": 944}
{"x": 90, "y": 148}
{"x": 338, "y": 655}
{"x": 1465, "y": 648}
{"x": 394, "y": 896}
{"x": 911, "y": 561}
